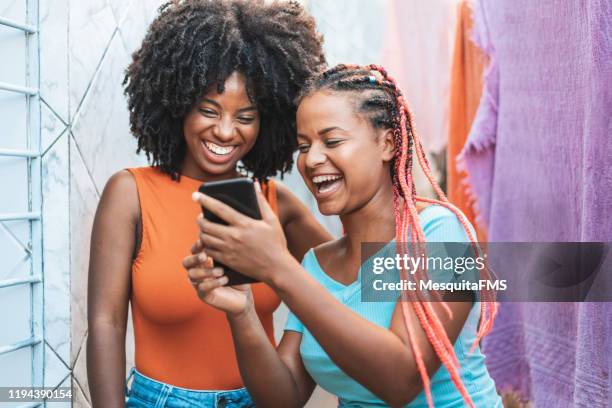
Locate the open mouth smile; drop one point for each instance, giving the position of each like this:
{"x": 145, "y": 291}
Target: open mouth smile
{"x": 217, "y": 153}
{"x": 327, "y": 184}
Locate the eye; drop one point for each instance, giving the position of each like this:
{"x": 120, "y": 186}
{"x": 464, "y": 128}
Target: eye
{"x": 332, "y": 142}
{"x": 246, "y": 119}
{"x": 209, "y": 113}
{"x": 303, "y": 147}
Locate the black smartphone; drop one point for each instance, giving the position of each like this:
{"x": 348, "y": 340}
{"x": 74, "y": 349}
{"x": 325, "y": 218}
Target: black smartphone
{"x": 238, "y": 193}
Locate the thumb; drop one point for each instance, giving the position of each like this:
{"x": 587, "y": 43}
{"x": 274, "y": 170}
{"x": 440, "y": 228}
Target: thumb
{"x": 264, "y": 206}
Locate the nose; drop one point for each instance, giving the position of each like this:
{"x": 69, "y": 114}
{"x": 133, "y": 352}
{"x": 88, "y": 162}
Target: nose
{"x": 315, "y": 156}
{"x": 224, "y": 130}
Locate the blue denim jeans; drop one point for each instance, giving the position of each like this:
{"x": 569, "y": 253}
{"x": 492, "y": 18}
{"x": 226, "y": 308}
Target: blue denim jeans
{"x": 146, "y": 392}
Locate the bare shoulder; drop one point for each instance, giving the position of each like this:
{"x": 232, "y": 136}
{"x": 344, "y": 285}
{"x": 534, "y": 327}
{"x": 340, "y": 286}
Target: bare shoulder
{"x": 120, "y": 195}
{"x": 284, "y": 196}
{"x": 121, "y": 182}
{"x": 289, "y": 206}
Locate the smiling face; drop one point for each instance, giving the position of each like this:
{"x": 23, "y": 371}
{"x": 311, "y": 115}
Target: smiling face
{"x": 343, "y": 160}
{"x": 220, "y": 130}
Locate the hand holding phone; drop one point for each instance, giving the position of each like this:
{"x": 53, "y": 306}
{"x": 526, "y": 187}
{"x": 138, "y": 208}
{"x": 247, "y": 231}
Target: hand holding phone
{"x": 239, "y": 194}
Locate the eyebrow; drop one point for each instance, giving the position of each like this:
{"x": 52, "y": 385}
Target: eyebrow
{"x": 329, "y": 129}
{"x": 323, "y": 131}
{"x": 245, "y": 109}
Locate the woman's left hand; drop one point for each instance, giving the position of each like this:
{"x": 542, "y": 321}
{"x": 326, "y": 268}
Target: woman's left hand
{"x": 251, "y": 247}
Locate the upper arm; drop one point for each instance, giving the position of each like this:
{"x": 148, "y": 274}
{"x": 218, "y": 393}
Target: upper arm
{"x": 443, "y": 227}
{"x": 302, "y": 229}
{"x": 113, "y": 241}
{"x": 289, "y": 352}
{"x": 460, "y": 306}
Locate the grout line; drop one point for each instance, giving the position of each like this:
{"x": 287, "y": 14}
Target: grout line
{"x": 58, "y": 356}
{"x": 93, "y": 77}
{"x": 78, "y": 354}
{"x": 54, "y": 142}
{"x": 80, "y": 387}
{"x": 53, "y": 110}
{"x": 84, "y": 164}
{"x": 62, "y": 381}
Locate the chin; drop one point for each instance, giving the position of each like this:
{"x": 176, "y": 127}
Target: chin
{"x": 216, "y": 169}
{"x": 329, "y": 209}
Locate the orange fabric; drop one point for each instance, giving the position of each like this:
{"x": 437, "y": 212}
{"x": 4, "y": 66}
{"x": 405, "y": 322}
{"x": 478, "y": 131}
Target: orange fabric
{"x": 179, "y": 339}
{"x": 466, "y": 88}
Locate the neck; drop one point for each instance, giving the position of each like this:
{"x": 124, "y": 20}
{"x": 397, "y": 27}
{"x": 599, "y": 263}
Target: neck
{"x": 374, "y": 222}
{"x": 193, "y": 171}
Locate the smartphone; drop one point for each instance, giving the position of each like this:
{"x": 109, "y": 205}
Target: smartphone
{"x": 238, "y": 193}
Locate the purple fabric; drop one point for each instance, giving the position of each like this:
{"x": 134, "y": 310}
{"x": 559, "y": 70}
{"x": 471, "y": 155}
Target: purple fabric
{"x": 540, "y": 162}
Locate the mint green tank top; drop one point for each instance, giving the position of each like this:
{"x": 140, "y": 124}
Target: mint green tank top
{"x": 439, "y": 225}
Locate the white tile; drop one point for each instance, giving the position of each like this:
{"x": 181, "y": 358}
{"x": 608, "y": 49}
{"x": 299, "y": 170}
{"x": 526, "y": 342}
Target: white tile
{"x": 134, "y": 27}
{"x": 91, "y": 25}
{"x": 121, "y": 8}
{"x": 55, "y": 369}
{"x": 101, "y": 129}
{"x": 83, "y": 202}
{"x": 152, "y": 9}
{"x": 78, "y": 396}
{"x": 66, "y": 385}
{"x": 56, "y": 249}
{"x": 53, "y": 40}
{"x": 51, "y": 127}
{"x": 79, "y": 370}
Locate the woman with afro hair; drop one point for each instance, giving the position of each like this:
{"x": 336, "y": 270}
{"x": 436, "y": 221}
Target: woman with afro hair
{"x": 211, "y": 96}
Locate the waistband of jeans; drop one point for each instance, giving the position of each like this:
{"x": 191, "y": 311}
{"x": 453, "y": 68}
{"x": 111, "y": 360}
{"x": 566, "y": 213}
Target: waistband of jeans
{"x": 142, "y": 379}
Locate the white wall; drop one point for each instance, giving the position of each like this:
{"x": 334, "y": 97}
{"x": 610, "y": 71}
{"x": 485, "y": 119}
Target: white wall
{"x": 84, "y": 48}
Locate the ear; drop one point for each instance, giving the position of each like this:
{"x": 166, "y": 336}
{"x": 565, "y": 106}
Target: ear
{"x": 387, "y": 143}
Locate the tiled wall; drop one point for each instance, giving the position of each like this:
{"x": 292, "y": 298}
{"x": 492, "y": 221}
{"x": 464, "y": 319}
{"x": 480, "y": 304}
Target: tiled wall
{"x": 85, "y": 46}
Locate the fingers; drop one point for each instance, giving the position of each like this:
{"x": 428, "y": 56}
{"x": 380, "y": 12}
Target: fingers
{"x": 211, "y": 228}
{"x": 191, "y": 261}
{"x": 264, "y": 206}
{"x": 221, "y": 210}
{"x": 212, "y": 243}
{"x": 200, "y": 259}
{"x": 197, "y": 247}
{"x": 217, "y": 255}
{"x": 205, "y": 280}
{"x": 209, "y": 285}
{"x": 199, "y": 275}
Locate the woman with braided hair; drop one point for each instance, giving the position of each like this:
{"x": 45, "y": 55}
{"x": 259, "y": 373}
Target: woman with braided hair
{"x": 211, "y": 90}
{"x": 356, "y": 144}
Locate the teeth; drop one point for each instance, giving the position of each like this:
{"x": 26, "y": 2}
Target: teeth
{"x": 221, "y": 150}
{"x": 325, "y": 189}
{"x": 322, "y": 179}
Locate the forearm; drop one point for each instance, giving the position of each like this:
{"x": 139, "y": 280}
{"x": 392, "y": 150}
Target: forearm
{"x": 264, "y": 373}
{"x": 106, "y": 365}
{"x": 372, "y": 355}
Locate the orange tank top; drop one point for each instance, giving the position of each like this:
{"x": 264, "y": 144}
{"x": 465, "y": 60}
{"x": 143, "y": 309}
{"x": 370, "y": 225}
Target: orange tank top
{"x": 179, "y": 339}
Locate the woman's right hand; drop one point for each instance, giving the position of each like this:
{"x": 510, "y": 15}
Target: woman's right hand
{"x": 209, "y": 283}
